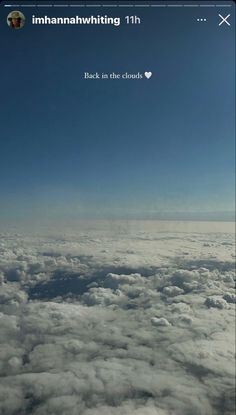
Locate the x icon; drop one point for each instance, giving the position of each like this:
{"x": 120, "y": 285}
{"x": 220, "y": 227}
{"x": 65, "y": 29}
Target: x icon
{"x": 224, "y": 19}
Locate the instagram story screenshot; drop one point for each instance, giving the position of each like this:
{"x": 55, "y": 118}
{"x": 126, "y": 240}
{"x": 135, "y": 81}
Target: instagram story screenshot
{"x": 117, "y": 207}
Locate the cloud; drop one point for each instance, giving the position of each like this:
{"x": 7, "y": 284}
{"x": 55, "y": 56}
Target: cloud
{"x": 216, "y": 302}
{"x": 172, "y": 291}
{"x": 96, "y": 323}
{"x": 160, "y": 322}
{"x": 230, "y": 297}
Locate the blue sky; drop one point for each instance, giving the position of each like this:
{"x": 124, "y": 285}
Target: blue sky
{"x": 77, "y": 148}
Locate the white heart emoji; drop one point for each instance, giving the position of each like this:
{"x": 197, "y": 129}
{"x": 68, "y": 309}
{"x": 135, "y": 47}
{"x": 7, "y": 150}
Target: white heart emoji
{"x": 148, "y": 74}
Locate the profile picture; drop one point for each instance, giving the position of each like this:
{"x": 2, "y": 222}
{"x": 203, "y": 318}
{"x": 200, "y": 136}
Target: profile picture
{"x": 16, "y": 20}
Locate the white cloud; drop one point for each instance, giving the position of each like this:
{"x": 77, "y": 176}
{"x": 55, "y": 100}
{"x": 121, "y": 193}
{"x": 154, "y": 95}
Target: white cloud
{"x": 160, "y": 321}
{"x": 138, "y": 331}
{"x": 172, "y": 291}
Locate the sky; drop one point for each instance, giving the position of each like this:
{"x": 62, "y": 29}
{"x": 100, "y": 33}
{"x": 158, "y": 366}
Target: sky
{"x": 157, "y": 148}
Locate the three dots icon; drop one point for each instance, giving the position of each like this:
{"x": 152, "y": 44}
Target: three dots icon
{"x": 201, "y": 20}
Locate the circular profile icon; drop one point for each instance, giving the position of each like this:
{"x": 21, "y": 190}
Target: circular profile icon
{"x": 16, "y": 20}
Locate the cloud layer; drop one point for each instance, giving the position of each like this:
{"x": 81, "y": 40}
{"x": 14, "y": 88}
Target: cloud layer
{"x": 98, "y": 323}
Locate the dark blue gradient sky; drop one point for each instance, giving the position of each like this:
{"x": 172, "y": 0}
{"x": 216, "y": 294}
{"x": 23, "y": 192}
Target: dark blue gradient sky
{"x": 77, "y": 148}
